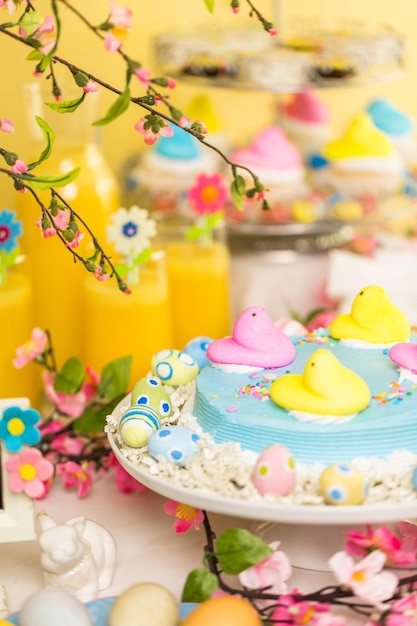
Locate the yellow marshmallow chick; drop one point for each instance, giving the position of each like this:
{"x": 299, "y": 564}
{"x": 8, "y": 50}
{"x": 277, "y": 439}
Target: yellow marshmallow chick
{"x": 326, "y": 387}
{"x": 373, "y": 319}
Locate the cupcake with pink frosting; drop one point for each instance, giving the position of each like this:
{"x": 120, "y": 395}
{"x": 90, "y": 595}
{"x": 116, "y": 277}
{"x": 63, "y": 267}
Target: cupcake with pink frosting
{"x": 276, "y": 161}
{"x": 306, "y": 121}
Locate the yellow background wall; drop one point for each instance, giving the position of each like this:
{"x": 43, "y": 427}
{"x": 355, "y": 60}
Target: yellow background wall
{"x": 241, "y": 112}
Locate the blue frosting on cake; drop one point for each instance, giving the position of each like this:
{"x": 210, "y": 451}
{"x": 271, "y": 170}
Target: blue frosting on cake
{"x": 181, "y": 145}
{"x": 389, "y": 119}
{"x": 236, "y": 407}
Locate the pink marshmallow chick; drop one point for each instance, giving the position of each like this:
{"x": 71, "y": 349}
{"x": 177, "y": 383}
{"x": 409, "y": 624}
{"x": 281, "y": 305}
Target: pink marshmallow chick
{"x": 256, "y": 342}
{"x": 404, "y": 354}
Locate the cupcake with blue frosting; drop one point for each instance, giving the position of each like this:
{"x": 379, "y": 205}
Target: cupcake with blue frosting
{"x": 397, "y": 126}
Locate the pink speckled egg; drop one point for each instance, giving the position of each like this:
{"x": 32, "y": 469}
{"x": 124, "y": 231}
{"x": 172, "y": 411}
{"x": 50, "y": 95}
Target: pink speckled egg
{"x": 274, "y": 471}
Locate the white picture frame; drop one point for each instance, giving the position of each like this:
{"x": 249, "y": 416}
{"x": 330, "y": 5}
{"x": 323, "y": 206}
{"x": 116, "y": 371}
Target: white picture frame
{"x": 17, "y": 511}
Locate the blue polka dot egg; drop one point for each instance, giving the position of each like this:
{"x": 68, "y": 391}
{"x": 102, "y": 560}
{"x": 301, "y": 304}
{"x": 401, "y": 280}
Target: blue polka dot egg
{"x": 342, "y": 484}
{"x": 174, "y": 443}
{"x": 149, "y": 391}
{"x": 174, "y": 367}
{"x": 137, "y": 424}
{"x": 197, "y": 348}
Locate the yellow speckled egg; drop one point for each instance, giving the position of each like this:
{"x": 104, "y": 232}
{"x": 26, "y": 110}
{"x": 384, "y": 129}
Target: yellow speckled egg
{"x": 174, "y": 367}
{"x": 145, "y": 603}
{"x": 342, "y": 484}
{"x": 223, "y": 611}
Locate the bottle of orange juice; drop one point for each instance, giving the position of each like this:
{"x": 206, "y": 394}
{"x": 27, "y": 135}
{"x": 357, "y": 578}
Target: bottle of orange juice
{"x": 57, "y": 280}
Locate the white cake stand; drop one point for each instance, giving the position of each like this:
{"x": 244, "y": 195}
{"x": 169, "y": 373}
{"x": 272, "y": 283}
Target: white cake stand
{"x": 309, "y": 534}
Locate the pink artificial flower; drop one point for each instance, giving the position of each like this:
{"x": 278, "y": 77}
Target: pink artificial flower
{"x": 403, "y": 612}
{"x": 273, "y": 32}
{"x": 187, "y": 516}
{"x": 184, "y": 121}
{"x": 61, "y": 219}
{"x": 143, "y": 75}
{"x": 98, "y": 273}
{"x": 149, "y": 136}
{"x": 409, "y": 532}
{"x": 91, "y": 86}
{"x": 78, "y": 237}
{"x": 32, "y": 349}
{"x": 323, "y": 319}
{"x": 203, "y": 129}
{"x": 45, "y": 232}
{"x": 10, "y": 4}
{"x": 72, "y": 404}
{"x": 366, "y": 578}
{"x": 272, "y": 572}
{"x": 171, "y": 83}
{"x": 383, "y": 538}
{"x": 29, "y": 473}
{"x": 125, "y": 483}
{"x": 209, "y": 194}
{"x": 292, "y": 612}
{"x": 7, "y": 126}
{"x": 45, "y": 34}
{"x": 19, "y": 167}
{"x": 121, "y": 21}
{"x": 74, "y": 474}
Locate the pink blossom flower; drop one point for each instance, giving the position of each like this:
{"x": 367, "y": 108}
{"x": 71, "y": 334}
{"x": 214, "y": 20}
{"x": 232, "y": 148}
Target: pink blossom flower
{"x": 292, "y": 612}
{"x": 273, "y": 32}
{"x": 19, "y": 167}
{"x": 366, "y": 578}
{"x": 149, "y": 136}
{"x": 98, "y": 273}
{"x": 143, "y": 75}
{"x": 184, "y": 121}
{"x": 32, "y": 349}
{"x": 125, "y": 483}
{"x": 61, "y": 219}
{"x": 91, "y": 86}
{"x": 29, "y": 473}
{"x": 403, "y": 612}
{"x": 46, "y": 232}
{"x": 10, "y": 4}
{"x": 76, "y": 475}
{"x": 171, "y": 83}
{"x": 187, "y": 516}
{"x": 78, "y": 237}
{"x": 209, "y": 194}
{"x": 272, "y": 572}
{"x": 121, "y": 21}
{"x": 72, "y": 404}
{"x": 383, "y": 538}
{"x": 7, "y": 126}
{"x": 409, "y": 532}
{"x": 45, "y": 34}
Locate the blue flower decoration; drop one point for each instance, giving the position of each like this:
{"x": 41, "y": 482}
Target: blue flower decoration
{"x": 17, "y": 428}
{"x": 10, "y": 229}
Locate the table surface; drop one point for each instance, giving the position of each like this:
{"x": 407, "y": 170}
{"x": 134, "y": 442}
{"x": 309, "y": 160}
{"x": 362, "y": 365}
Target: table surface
{"x": 148, "y": 548}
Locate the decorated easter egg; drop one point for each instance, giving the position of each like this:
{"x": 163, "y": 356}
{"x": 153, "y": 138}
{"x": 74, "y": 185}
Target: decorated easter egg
{"x": 174, "y": 443}
{"x": 342, "y": 484}
{"x": 197, "y": 348}
{"x": 149, "y": 391}
{"x": 138, "y": 424}
{"x": 145, "y": 603}
{"x": 49, "y": 607}
{"x": 274, "y": 471}
{"x": 224, "y": 610}
{"x": 174, "y": 367}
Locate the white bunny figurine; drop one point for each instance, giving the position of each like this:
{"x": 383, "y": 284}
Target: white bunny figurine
{"x": 78, "y": 556}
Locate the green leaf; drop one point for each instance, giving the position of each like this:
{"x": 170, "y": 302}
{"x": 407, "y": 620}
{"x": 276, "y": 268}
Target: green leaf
{"x": 237, "y": 549}
{"x": 49, "y": 135}
{"x": 143, "y": 257}
{"x": 199, "y": 586}
{"x": 115, "y": 378}
{"x": 117, "y": 108}
{"x": 30, "y": 21}
{"x": 67, "y": 106}
{"x": 210, "y": 5}
{"x": 35, "y": 55}
{"x": 236, "y": 195}
{"x": 94, "y": 420}
{"x": 47, "y": 182}
{"x": 71, "y": 377}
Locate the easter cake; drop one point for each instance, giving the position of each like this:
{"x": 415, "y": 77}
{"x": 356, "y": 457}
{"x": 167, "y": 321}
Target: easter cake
{"x": 266, "y": 415}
